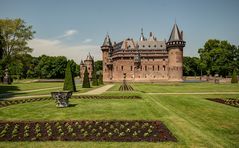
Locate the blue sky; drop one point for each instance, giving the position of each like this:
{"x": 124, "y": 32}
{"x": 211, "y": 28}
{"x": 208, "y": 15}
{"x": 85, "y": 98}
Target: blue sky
{"x": 75, "y": 27}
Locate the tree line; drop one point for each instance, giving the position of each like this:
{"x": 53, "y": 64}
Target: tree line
{"x": 215, "y": 57}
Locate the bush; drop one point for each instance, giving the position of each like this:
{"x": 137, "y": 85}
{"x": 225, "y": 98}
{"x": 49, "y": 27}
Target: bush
{"x": 101, "y": 79}
{"x": 69, "y": 83}
{"x": 86, "y": 81}
{"x": 94, "y": 79}
{"x": 234, "y": 77}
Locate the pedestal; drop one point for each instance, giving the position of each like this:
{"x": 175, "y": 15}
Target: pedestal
{"x": 62, "y": 98}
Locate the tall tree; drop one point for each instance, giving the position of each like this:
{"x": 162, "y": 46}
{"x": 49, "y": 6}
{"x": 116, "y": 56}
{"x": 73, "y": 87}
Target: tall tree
{"x": 69, "y": 83}
{"x": 94, "y": 77}
{"x": 98, "y": 65}
{"x": 15, "y": 35}
{"x": 219, "y": 57}
{"x": 86, "y": 81}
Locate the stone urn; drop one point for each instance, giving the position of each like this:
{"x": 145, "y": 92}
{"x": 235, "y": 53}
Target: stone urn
{"x": 62, "y": 98}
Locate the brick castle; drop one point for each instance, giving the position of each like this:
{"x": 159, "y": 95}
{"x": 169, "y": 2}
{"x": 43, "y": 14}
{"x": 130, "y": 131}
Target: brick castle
{"x": 144, "y": 60}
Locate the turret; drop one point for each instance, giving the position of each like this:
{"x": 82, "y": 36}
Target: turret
{"x": 82, "y": 70}
{"x": 89, "y": 61}
{"x": 175, "y": 47}
{"x": 107, "y": 50}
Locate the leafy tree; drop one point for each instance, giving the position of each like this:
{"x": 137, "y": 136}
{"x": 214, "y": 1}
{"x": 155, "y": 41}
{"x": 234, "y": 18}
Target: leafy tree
{"x": 86, "y": 81}
{"x": 98, "y": 65}
{"x": 190, "y": 66}
{"x": 69, "y": 83}
{"x": 234, "y": 77}
{"x": 219, "y": 57}
{"x": 51, "y": 67}
{"x": 101, "y": 79}
{"x": 15, "y": 35}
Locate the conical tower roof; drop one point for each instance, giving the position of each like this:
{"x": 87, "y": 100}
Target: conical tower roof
{"x": 107, "y": 41}
{"x": 81, "y": 62}
{"x": 175, "y": 34}
{"x": 89, "y": 57}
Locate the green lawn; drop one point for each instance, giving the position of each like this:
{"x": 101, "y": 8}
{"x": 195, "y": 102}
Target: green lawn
{"x": 23, "y": 88}
{"x": 195, "y": 121}
{"x": 181, "y": 87}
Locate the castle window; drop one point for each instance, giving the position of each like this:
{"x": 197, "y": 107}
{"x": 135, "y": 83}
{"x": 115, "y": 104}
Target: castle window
{"x": 143, "y": 46}
{"x": 155, "y": 46}
{"x": 145, "y": 68}
{"x": 131, "y": 68}
{"x": 149, "y": 46}
{"x": 163, "y": 59}
{"x": 153, "y": 68}
{"x": 122, "y": 68}
{"x": 161, "y": 45}
{"x": 163, "y": 67}
{"x": 158, "y": 67}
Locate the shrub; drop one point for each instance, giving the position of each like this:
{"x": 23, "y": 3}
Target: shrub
{"x": 86, "y": 82}
{"x": 94, "y": 78}
{"x": 69, "y": 83}
{"x": 101, "y": 79}
{"x": 234, "y": 77}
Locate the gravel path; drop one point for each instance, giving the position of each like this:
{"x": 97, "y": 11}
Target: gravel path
{"x": 98, "y": 90}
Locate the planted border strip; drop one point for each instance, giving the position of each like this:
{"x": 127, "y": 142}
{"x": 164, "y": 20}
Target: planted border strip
{"x": 13, "y": 102}
{"x": 107, "y": 97}
{"x": 227, "y": 101}
{"x": 85, "y": 130}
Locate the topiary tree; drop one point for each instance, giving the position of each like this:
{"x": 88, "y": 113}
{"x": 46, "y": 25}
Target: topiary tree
{"x": 69, "y": 83}
{"x": 234, "y": 77}
{"x": 94, "y": 77}
{"x": 86, "y": 81}
{"x": 101, "y": 79}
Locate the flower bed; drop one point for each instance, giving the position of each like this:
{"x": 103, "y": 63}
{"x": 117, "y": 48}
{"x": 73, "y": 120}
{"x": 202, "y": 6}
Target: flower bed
{"x": 12, "y": 102}
{"x": 227, "y": 101}
{"x": 83, "y": 130}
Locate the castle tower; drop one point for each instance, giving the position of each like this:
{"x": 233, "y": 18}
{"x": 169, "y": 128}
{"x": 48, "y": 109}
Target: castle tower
{"x": 89, "y": 61}
{"x": 106, "y": 49}
{"x": 82, "y": 70}
{"x": 175, "y": 47}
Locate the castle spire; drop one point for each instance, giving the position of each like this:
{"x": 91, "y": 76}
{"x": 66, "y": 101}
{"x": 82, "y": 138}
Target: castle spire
{"x": 142, "y": 38}
{"x": 175, "y": 34}
{"x": 107, "y": 41}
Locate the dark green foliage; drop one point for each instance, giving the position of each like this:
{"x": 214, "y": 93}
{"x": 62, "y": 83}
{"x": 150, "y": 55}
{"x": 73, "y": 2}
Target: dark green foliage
{"x": 234, "y": 77}
{"x": 94, "y": 77}
{"x": 101, "y": 79}
{"x": 69, "y": 83}
{"x": 86, "y": 81}
{"x": 190, "y": 66}
{"x": 219, "y": 57}
{"x": 98, "y": 65}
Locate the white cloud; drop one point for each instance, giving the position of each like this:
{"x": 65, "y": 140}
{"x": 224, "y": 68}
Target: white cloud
{"x": 87, "y": 41}
{"x": 58, "y": 48}
{"x": 68, "y": 33}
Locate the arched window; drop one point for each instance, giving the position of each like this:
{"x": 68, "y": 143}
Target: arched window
{"x": 122, "y": 68}
{"x": 153, "y": 67}
{"x": 145, "y": 68}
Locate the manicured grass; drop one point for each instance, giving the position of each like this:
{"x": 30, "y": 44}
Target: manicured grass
{"x": 181, "y": 87}
{"x": 39, "y": 88}
{"x": 195, "y": 121}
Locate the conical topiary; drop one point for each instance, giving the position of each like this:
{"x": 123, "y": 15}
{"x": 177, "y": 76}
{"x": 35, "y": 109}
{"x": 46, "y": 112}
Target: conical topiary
{"x": 101, "y": 79}
{"x": 234, "y": 77}
{"x": 86, "y": 81}
{"x": 94, "y": 79}
{"x": 69, "y": 83}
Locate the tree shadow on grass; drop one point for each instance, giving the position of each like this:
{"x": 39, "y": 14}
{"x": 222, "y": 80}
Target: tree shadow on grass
{"x": 7, "y": 91}
{"x": 72, "y": 105}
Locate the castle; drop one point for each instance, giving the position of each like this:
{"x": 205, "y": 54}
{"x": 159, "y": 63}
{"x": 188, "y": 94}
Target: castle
{"x": 144, "y": 60}
{"x": 88, "y": 63}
